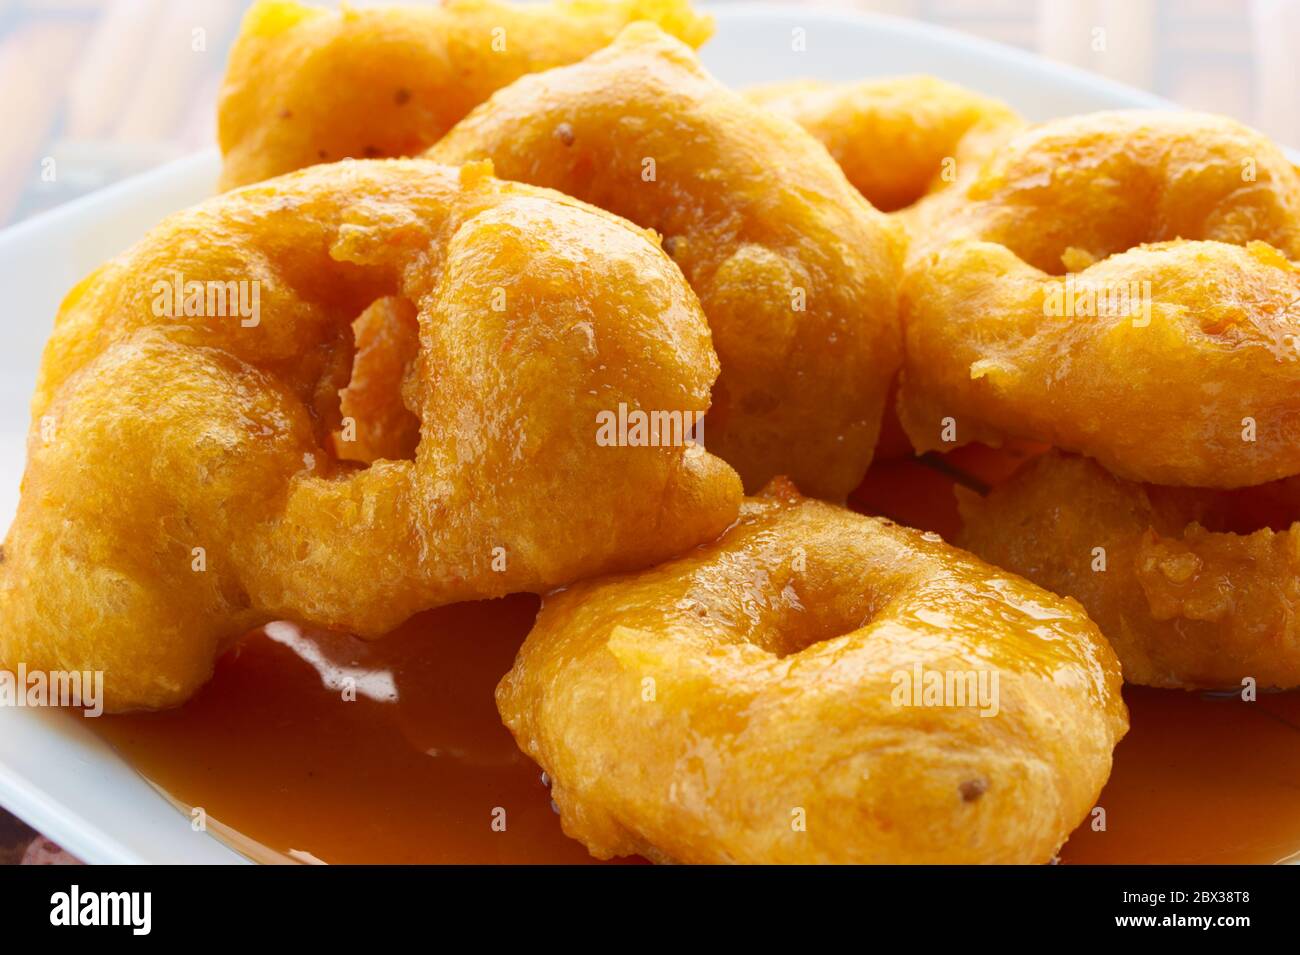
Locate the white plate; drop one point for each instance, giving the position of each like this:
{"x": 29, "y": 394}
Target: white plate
{"x": 54, "y": 773}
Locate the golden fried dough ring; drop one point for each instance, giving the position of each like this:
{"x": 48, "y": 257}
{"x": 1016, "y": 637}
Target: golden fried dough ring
{"x": 179, "y": 489}
{"x": 1156, "y": 381}
{"x": 796, "y": 272}
{"x": 899, "y": 140}
{"x": 307, "y": 85}
{"x": 893, "y": 137}
{"x": 746, "y": 703}
{"x": 1184, "y": 599}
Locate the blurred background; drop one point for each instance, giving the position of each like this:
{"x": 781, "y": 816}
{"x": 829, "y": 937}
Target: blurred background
{"x": 92, "y": 91}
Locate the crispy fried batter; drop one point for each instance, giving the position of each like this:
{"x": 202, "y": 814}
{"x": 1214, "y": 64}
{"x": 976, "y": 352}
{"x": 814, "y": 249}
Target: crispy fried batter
{"x": 796, "y": 273}
{"x": 898, "y": 138}
{"x": 179, "y": 488}
{"x": 1173, "y": 362}
{"x": 376, "y": 419}
{"x": 744, "y": 703}
{"x": 1193, "y": 588}
{"x": 307, "y": 85}
{"x": 901, "y": 141}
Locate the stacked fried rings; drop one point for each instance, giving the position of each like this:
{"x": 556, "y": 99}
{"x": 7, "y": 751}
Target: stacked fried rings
{"x": 795, "y": 271}
{"x": 307, "y": 85}
{"x": 901, "y": 141}
{"x": 409, "y": 417}
{"x": 1119, "y": 285}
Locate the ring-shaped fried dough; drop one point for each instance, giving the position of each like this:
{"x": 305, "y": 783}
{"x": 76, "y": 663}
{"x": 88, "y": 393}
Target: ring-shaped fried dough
{"x": 1173, "y": 336}
{"x": 746, "y": 702}
{"x": 898, "y": 139}
{"x": 796, "y": 272}
{"x": 180, "y": 488}
{"x": 307, "y": 85}
{"x": 901, "y": 141}
{"x": 1194, "y": 588}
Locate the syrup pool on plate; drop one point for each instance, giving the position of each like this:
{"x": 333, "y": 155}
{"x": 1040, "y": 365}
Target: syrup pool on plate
{"x": 416, "y": 768}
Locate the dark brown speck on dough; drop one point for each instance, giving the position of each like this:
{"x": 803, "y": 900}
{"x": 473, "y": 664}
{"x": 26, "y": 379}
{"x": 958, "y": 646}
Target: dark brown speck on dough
{"x": 972, "y": 789}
